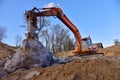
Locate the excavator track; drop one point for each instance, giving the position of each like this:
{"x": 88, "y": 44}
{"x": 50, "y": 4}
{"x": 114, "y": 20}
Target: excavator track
{"x": 91, "y": 54}
{"x": 87, "y": 56}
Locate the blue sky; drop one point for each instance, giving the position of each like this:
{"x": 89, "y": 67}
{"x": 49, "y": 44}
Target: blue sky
{"x": 98, "y": 18}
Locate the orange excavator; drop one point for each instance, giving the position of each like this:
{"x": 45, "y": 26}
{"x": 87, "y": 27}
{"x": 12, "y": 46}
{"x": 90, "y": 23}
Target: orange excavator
{"x": 81, "y": 45}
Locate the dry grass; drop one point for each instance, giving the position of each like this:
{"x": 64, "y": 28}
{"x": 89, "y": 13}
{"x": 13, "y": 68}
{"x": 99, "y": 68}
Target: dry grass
{"x": 6, "y": 50}
{"x": 111, "y": 51}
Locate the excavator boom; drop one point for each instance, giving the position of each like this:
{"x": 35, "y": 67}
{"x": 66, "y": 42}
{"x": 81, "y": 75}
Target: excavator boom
{"x": 55, "y": 11}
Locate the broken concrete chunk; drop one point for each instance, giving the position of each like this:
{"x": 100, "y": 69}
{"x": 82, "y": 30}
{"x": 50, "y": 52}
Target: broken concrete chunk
{"x": 34, "y": 55}
{"x": 31, "y": 74}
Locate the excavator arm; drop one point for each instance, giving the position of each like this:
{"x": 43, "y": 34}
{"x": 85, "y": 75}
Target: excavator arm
{"x": 55, "y": 11}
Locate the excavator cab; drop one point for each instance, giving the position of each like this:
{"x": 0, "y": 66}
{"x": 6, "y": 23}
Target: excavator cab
{"x": 88, "y": 46}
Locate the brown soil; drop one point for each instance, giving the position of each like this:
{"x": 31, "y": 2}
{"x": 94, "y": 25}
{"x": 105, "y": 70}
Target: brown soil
{"x": 6, "y": 50}
{"x": 111, "y": 51}
{"x": 106, "y": 68}
{"x": 95, "y": 68}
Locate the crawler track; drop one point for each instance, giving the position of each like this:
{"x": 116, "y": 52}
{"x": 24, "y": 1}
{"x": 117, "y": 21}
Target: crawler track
{"x": 87, "y": 56}
{"x": 91, "y": 54}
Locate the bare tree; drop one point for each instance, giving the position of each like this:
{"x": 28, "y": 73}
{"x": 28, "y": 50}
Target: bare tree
{"x": 46, "y": 37}
{"x": 42, "y": 22}
{"x": 2, "y": 33}
{"x": 55, "y": 32}
{"x": 59, "y": 36}
{"x": 52, "y": 43}
{"x": 18, "y": 40}
{"x": 69, "y": 44}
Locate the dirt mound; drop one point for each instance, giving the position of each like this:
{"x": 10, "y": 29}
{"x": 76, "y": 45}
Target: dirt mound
{"x": 64, "y": 54}
{"x": 105, "y": 68}
{"x": 111, "y": 51}
{"x": 6, "y": 50}
{"x": 81, "y": 68}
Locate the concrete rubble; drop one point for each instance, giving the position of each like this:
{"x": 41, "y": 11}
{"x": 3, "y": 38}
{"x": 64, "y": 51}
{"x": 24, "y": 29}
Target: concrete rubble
{"x": 31, "y": 74}
{"x": 33, "y": 54}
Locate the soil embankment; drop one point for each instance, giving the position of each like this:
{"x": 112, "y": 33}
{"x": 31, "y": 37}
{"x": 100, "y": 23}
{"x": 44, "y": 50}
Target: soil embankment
{"x": 83, "y": 68}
